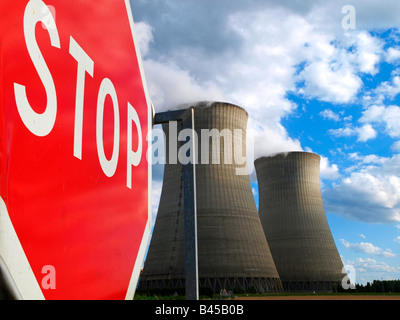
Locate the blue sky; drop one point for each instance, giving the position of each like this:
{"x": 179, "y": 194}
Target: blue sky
{"x": 308, "y": 83}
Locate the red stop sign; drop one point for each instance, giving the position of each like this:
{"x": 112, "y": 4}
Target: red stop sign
{"x": 74, "y": 178}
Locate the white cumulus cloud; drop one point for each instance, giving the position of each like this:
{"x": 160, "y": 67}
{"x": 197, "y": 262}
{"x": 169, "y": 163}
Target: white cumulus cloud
{"x": 363, "y": 133}
{"x": 370, "y": 193}
{"x": 389, "y": 116}
{"x": 368, "y": 248}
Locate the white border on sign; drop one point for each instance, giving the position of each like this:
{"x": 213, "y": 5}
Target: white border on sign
{"x": 147, "y": 232}
{"x": 17, "y": 269}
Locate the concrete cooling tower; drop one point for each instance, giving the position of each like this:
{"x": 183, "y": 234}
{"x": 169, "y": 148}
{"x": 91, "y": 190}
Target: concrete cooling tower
{"x": 295, "y": 224}
{"x": 232, "y": 248}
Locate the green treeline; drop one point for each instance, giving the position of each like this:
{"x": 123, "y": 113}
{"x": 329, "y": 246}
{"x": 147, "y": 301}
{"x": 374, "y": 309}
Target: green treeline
{"x": 377, "y": 286}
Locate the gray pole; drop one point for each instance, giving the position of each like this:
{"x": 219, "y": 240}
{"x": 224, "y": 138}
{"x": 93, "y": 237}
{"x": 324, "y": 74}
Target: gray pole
{"x": 190, "y": 214}
{"x": 190, "y": 207}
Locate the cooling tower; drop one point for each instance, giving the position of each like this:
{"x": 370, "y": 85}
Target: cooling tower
{"x": 232, "y": 248}
{"x": 295, "y": 224}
